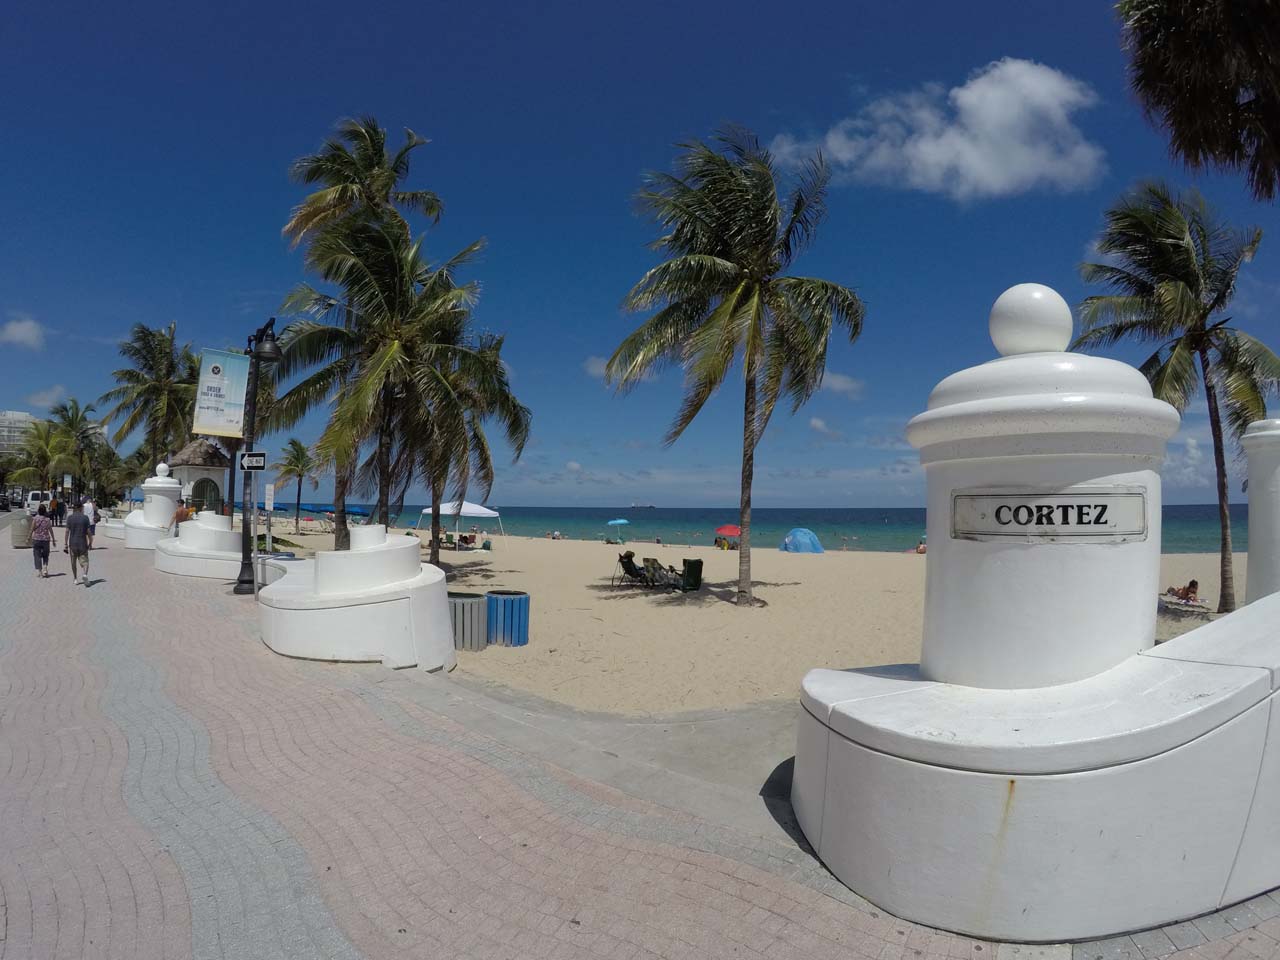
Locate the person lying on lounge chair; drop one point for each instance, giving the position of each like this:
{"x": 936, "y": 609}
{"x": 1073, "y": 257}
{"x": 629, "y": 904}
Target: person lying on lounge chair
{"x": 1188, "y": 594}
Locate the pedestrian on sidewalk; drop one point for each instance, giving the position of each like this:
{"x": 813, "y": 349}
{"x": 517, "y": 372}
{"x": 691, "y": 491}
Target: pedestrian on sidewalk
{"x": 181, "y": 515}
{"x": 78, "y": 543}
{"x": 91, "y": 512}
{"x": 41, "y": 538}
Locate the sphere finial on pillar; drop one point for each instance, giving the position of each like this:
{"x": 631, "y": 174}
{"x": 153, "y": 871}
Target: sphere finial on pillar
{"x": 1030, "y": 318}
{"x": 162, "y": 469}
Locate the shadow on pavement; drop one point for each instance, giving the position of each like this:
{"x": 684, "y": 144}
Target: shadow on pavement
{"x": 776, "y": 794}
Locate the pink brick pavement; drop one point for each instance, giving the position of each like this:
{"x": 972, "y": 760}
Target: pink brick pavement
{"x": 422, "y": 839}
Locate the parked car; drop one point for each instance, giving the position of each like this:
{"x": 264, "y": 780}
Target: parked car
{"x": 35, "y": 498}
{"x": 4, "y": 502}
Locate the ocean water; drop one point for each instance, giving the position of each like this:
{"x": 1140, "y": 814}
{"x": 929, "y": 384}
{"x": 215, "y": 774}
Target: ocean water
{"x": 1187, "y": 529}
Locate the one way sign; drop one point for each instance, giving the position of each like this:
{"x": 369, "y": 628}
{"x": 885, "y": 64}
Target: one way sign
{"x": 252, "y": 460}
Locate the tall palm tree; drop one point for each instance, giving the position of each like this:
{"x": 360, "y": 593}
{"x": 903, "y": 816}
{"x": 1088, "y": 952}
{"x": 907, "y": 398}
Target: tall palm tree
{"x": 359, "y": 185}
{"x": 359, "y": 179}
{"x": 76, "y": 424}
{"x": 1207, "y": 71}
{"x": 1173, "y": 273}
{"x": 392, "y": 315}
{"x": 46, "y": 452}
{"x": 722, "y": 294}
{"x": 297, "y": 463}
{"x": 157, "y": 392}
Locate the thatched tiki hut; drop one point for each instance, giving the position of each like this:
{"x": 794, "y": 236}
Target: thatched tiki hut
{"x": 201, "y": 468}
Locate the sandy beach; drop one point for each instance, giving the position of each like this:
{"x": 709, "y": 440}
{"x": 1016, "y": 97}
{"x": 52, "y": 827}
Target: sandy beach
{"x": 630, "y": 651}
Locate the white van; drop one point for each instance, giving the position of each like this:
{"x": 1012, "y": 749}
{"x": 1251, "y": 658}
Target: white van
{"x": 35, "y": 498}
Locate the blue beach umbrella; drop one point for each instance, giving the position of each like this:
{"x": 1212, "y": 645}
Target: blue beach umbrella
{"x": 619, "y": 522}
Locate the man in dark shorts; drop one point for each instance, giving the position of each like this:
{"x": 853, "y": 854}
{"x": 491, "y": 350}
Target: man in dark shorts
{"x": 78, "y": 542}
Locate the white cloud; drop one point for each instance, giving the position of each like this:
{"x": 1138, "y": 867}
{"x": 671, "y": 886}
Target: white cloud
{"x": 1188, "y": 467}
{"x": 24, "y": 331}
{"x": 594, "y": 367}
{"x": 819, "y": 426}
{"x": 1007, "y": 130}
{"x": 573, "y": 466}
{"x": 48, "y": 397}
{"x": 839, "y": 383}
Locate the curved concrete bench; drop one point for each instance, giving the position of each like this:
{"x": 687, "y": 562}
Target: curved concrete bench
{"x": 374, "y": 602}
{"x": 141, "y": 535}
{"x": 1142, "y": 796}
{"x": 205, "y": 546}
{"x": 112, "y": 528}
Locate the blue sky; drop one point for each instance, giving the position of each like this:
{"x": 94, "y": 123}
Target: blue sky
{"x": 976, "y": 146}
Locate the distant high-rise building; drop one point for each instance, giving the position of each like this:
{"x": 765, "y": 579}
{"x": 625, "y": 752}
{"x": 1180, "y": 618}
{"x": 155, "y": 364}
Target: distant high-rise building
{"x": 13, "y": 425}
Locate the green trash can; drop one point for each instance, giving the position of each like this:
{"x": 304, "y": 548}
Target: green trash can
{"x": 20, "y": 530}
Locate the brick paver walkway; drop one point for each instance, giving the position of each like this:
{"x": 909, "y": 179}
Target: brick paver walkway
{"x": 171, "y": 788}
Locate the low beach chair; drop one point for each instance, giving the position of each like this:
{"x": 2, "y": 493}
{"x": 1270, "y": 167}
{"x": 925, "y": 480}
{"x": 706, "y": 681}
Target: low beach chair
{"x": 626, "y": 571}
{"x": 660, "y": 576}
{"x": 691, "y": 578}
{"x": 449, "y": 542}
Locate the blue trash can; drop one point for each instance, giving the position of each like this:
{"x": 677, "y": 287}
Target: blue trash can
{"x": 507, "y": 617}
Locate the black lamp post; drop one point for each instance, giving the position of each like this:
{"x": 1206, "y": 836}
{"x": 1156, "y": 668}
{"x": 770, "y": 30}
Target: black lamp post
{"x": 262, "y": 348}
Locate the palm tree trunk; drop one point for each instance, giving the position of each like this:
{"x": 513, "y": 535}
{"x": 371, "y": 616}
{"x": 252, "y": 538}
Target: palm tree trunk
{"x": 436, "y": 497}
{"x": 297, "y": 508}
{"x": 745, "y": 597}
{"x": 384, "y": 459}
{"x": 341, "y": 535}
{"x": 1227, "y": 592}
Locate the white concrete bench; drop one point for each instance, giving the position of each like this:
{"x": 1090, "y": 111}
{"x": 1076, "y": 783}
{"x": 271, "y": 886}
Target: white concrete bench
{"x": 374, "y": 602}
{"x": 205, "y": 546}
{"x": 1004, "y": 811}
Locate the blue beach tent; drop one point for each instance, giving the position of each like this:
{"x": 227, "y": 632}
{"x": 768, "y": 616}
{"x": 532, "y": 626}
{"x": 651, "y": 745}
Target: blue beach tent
{"x": 800, "y": 540}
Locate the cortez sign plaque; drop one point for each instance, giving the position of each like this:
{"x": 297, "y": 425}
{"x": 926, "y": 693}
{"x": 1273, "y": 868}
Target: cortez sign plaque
{"x": 1078, "y": 515}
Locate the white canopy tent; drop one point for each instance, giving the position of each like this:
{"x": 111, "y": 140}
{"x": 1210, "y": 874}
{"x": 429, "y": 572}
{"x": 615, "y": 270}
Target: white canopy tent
{"x": 465, "y": 508}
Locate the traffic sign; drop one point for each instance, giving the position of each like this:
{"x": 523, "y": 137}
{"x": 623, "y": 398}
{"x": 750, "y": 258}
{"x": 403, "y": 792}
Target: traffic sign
{"x": 253, "y": 460}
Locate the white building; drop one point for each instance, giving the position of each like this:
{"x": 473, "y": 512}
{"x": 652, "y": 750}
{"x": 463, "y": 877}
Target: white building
{"x": 13, "y": 426}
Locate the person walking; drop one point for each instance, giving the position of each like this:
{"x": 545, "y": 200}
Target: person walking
{"x": 91, "y": 512}
{"x": 77, "y": 538}
{"x": 41, "y": 539}
{"x": 53, "y": 510}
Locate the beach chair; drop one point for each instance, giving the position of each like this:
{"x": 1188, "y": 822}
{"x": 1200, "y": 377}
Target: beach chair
{"x": 449, "y": 542}
{"x": 626, "y": 571}
{"x": 660, "y": 576}
{"x": 691, "y": 578}
{"x": 487, "y": 545}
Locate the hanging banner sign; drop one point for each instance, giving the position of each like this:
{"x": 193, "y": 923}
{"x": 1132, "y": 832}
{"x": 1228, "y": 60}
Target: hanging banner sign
{"x": 66, "y": 481}
{"x": 269, "y": 497}
{"x": 220, "y": 395}
{"x": 1079, "y": 515}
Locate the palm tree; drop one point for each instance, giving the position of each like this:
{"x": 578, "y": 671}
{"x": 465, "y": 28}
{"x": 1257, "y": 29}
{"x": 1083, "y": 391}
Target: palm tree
{"x": 156, "y": 392}
{"x": 1207, "y": 71}
{"x": 359, "y": 180}
{"x": 394, "y": 318}
{"x": 359, "y": 185}
{"x": 449, "y": 437}
{"x": 46, "y": 452}
{"x": 722, "y": 294}
{"x": 1173, "y": 273}
{"x": 297, "y": 462}
{"x": 76, "y": 424}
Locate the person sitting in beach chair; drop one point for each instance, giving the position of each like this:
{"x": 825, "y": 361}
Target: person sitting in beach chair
{"x": 660, "y": 576}
{"x": 629, "y": 571}
{"x": 1188, "y": 594}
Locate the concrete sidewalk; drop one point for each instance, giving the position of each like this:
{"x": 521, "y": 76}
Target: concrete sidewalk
{"x": 171, "y": 788}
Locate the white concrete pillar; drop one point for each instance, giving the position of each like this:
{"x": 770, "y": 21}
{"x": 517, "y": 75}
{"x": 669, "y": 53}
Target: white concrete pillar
{"x": 160, "y": 497}
{"x": 1043, "y": 506}
{"x": 1262, "y": 446}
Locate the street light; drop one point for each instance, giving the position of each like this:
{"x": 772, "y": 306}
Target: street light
{"x": 261, "y": 348}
